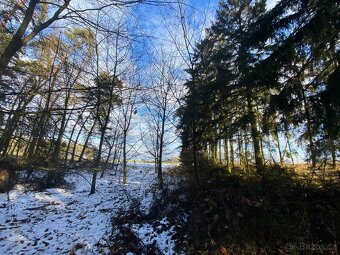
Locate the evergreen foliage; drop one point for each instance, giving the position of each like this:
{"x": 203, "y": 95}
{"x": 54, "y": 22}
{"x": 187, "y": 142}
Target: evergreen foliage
{"x": 262, "y": 75}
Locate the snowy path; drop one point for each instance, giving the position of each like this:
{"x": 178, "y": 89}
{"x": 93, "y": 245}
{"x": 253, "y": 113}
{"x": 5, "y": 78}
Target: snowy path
{"x": 56, "y": 221}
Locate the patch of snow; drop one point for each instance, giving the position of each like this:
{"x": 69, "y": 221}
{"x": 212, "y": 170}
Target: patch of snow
{"x": 146, "y": 203}
{"x": 56, "y": 221}
{"x": 161, "y": 235}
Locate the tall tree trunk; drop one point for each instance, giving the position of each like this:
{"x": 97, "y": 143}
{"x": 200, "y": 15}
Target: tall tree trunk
{"x": 19, "y": 145}
{"x": 232, "y": 154}
{"x": 220, "y": 150}
{"x": 93, "y": 183}
{"x": 240, "y": 149}
{"x": 7, "y": 136}
{"x": 277, "y": 139}
{"x": 17, "y": 40}
{"x": 97, "y": 163}
{"x": 15, "y": 144}
{"x": 262, "y": 150}
{"x": 157, "y": 151}
{"x": 20, "y": 38}
{"x": 124, "y": 157}
{"x": 106, "y": 162}
{"x": 216, "y": 150}
{"x": 288, "y": 144}
{"x": 212, "y": 152}
{"x": 71, "y": 136}
{"x": 11, "y": 145}
{"x": 161, "y": 145}
{"x": 226, "y": 153}
{"x": 246, "y": 151}
{"x": 194, "y": 138}
{"x": 159, "y": 171}
{"x": 33, "y": 142}
{"x": 255, "y": 135}
{"x": 52, "y": 145}
{"x": 11, "y": 125}
{"x": 63, "y": 124}
{"x": 86, "y": 142}
{"x": 110, "y": 151}
{"x": 309, "y": 131}
{"x": 27, "y": 147}
{"x": 333, "y": 152}
{"x": 73, "y": 153}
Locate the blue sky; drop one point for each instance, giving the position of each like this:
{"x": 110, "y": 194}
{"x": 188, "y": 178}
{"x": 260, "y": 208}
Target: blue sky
{"x": 154, "y": 22}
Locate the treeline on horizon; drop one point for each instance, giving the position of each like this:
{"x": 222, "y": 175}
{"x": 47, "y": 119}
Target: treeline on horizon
{"x": 263, "y": 82}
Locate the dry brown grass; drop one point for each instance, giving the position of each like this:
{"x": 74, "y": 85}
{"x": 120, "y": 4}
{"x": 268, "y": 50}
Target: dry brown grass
{"x": 253, "y": 213}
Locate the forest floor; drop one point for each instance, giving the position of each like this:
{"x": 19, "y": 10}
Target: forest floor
{"x": 278, "y": 212}
{"x": 70, "y": 221}
{"x": 275, "y": 212}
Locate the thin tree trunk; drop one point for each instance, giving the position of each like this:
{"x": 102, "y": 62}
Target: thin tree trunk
{"x": 50, "y": 149}
{"x": 220, "y": 150}
{"x": 97, "y": 163}
{"x": 240, "y": 150}
{"x": 277, "y": 139}
{"x": 333, "y": 151}
{"x": 77, "y": 138}
{"x": 10, "y": 128}
{"x": 11, "y": 145}
{"x": 309, "y": 131}
{"x": 63, "y": 124}
{"x": 194, "y": 146}
{"x": 215, "y": 150}
{"x": 246, "y": 151}
{"x": 70, "y": 140}
{"x": 106, "y": 162}
{"x": 25, "y": 153}
{"x": 255, "y": 135}
{"x": 232, "y": 154}
{"x": 124, "y": 157}
{"x": 19, "y": 145}
{"x": 93, "y": 183}
{"x": 159, "y": 172}
{"x": 161, "y": 145}
{"x": 226, "y": 153}
{"x": 262, "y": 150}
{"x": 288, "y": 144}
{"x": 16, "y": 42}
{"x": 85, "y": 144}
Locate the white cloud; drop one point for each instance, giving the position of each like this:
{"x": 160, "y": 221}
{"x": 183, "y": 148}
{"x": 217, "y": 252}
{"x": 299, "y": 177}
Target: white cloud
{"x": 271, "y": 3}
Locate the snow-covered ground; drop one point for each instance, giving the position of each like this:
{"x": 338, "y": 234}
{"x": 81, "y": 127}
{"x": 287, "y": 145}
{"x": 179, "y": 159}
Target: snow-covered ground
{"x": 70, "y": 221}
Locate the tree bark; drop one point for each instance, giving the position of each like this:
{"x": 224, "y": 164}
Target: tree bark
{"x": 309, "y": 130}
{"x": 86, "y": 142}
{"x": 71, "y": 136}
{"x": 226, "y": 152}
{"x": 124, "y": 156}
{"x": 255, "y": 135}
{"x": 232, "y": 154}
{"x": 277, "y": 139}
{"x": 19, "y": 39}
